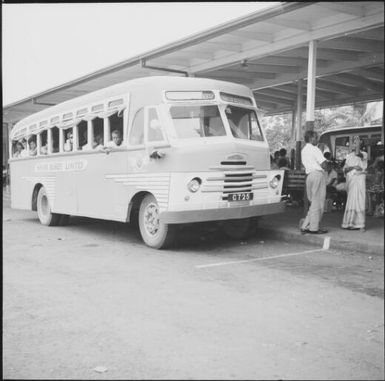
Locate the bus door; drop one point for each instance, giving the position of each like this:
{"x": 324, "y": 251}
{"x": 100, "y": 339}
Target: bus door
{"x": 156, "y": 142}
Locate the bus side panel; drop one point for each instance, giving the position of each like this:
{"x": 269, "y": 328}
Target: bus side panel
{"x": 101, "y": 189}
{"x": 22, "y": 183}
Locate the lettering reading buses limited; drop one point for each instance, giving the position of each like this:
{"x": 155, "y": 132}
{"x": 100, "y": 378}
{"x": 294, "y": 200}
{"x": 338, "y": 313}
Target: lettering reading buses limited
{"x": 161, "y": 151}
{"x": 69, "y": 165}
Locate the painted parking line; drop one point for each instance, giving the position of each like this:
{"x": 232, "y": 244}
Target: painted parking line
{"x": 258, "y": 259}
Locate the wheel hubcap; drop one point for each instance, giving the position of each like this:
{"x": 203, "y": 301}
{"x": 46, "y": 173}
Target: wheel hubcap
{"x": 44, "y": 205}
{"x": 151, "y": 219}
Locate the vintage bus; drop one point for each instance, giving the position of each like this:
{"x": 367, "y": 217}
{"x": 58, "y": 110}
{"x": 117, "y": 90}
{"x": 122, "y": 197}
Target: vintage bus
{"x": 185, "y": 150}
{"x": 338, "y": 140}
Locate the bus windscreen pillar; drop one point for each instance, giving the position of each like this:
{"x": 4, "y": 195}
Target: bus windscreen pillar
{"x": 311, "y": 74}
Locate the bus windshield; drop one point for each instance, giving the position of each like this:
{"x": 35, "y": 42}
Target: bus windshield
{"x": 243, "y": 123}
{"x": 197, "y": 121}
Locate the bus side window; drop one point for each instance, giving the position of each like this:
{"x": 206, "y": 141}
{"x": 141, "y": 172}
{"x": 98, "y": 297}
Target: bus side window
{"x": 55, "y": 139}
{"x": 341, "y": 147}
{"x": 69, "y": 140}
{"x": 137, "y": 130}
{"x": 18, "y": 149}
{"x": 82, "y": 134}
{"x": 32, "y": 143}
{"x": 154, "y": 127}
{"x": 116, "y": 124}
{"x": 98, "y": 128}
{"x": 43, "y": 142}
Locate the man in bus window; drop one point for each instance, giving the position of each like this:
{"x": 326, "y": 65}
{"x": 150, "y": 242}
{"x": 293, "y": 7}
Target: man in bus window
{"x": 32, "y": 148}
{"x": 98, "y": 141}
{"x": 69, "y": 142}
{"x": 20, "y": 151}
{"x": 116, "y": 139}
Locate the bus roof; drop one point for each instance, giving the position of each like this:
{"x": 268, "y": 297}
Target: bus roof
{"x": 350, "y": 129}
{"x": 156, "y": 84}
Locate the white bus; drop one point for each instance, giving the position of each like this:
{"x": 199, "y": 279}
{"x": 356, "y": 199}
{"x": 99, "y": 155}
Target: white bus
{"x": 161, "y": 151}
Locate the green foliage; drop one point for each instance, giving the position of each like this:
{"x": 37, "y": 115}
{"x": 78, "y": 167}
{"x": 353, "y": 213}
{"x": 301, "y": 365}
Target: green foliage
{"x": 279, "y": 131}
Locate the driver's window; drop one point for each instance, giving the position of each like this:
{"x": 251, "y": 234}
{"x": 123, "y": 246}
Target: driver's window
{"x": 154, "y": 127}
{"x": 136, "y": 136}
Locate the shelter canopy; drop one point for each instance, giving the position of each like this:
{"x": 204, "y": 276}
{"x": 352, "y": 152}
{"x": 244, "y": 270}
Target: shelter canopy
{"x": 266, "y": 51}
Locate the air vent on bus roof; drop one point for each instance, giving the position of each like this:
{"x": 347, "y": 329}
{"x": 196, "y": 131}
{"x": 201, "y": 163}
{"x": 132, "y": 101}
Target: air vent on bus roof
{"x": 97, "y": 108}
{"x": 81, "y": 111}
{"x": 115, "y": 103}
{"x": 67, "y": 116}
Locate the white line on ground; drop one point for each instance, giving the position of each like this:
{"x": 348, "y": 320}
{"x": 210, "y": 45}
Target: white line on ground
{"x": 258, "y": 259}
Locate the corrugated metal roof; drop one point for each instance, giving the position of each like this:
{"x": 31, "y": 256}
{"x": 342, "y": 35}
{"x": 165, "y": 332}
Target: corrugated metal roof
{"x": 266, "y": 51}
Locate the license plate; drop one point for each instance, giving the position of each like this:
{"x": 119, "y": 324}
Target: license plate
{"x": 240, "y": 196}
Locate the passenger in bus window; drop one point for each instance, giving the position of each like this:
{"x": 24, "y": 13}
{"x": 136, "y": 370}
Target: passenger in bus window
{"x": 83, "y": 140}
{"x": 20, "y": 151}
{"x": 98, "y": 141}
{"x": 32, "y": 148}
{"x": 68, "y": 145}
{"x": 44, "y": 150}
{"x": 116, "y": 139}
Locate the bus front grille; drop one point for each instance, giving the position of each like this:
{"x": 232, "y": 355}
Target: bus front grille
{"x": 238, "y": 181}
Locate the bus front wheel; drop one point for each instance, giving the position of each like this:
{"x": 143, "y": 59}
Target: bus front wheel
{"x": 154, "y": 233}
{"x": 240, "y": 229}
{"x": 44, "y": 213}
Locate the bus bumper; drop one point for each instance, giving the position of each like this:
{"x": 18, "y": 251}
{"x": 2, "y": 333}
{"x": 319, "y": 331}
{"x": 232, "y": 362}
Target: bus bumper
{"x": 231, "y": 213}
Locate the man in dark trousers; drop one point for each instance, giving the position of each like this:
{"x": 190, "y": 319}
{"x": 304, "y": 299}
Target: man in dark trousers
{"x": 315, "y": 163}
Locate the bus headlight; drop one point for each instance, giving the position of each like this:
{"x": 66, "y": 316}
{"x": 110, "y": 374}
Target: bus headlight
{"x": 274, "y": 182}
{"x": 194, "y": 184}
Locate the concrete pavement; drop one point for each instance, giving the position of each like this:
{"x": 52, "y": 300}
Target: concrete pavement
{"x": 284, "y": 226}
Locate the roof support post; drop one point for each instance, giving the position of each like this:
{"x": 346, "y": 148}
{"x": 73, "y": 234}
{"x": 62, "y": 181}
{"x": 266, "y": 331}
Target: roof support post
{"x": 382, "y": 129}
{"x": 311, "y": 74}
{"x": 298, "y": 129}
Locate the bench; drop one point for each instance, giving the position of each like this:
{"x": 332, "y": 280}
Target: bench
{"x": 294, "y": 184}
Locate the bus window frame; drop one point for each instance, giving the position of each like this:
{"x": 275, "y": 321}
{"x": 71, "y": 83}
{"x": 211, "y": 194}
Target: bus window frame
{"x": 169, "y": 122}
{"x": 70, "y": 118}
{"x": 158, "y": 143}
{"x": 242, "y": 106}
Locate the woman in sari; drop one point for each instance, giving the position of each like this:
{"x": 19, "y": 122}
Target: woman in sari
{"x": 354, "y": 169}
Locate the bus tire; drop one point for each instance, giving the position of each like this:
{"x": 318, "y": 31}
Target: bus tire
{"x": 44, "y": 213}
{"x": 240, "y": 229}
{"x": 154, "y": 233}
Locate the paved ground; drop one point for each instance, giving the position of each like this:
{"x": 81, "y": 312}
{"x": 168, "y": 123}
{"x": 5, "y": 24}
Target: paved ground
{"x": 92, "y": 295}
{"x": 285, "y": 226}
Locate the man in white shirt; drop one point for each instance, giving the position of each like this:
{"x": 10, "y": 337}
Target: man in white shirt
{"x": 315, "y": 163}
{"x": 116, "y": 139}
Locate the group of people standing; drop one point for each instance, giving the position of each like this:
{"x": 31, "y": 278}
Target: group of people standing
{"x": 354, "y": 169}
{"x": 280, "y": 160}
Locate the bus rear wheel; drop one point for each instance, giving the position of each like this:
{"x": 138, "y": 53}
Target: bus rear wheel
{"x": 154, "y": 233}
{"x": 44, "y": 213}
{"x": 241, "y": 228}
